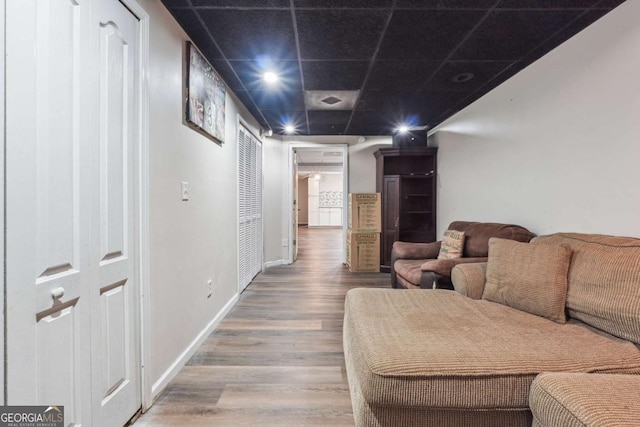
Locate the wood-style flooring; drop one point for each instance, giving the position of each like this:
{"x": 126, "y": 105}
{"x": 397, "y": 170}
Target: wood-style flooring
{"x": 276, "y": 359}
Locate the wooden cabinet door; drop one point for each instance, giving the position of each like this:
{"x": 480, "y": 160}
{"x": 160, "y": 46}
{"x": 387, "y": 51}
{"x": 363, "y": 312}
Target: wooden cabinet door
{"x": 390, "y": 217}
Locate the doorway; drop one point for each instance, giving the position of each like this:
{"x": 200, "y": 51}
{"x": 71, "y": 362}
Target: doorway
{"x": 319, "y": 188}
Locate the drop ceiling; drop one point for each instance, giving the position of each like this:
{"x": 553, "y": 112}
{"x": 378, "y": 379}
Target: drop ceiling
{"x": 401, "y": 61}
{"x": 319, "y": 160}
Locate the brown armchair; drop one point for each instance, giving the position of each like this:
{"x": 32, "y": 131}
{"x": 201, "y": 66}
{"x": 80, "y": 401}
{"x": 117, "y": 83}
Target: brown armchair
{"x": 415, "y": 265}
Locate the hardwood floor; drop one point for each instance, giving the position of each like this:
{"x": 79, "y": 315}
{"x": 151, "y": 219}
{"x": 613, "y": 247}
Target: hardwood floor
{"x": 276, "y": 359}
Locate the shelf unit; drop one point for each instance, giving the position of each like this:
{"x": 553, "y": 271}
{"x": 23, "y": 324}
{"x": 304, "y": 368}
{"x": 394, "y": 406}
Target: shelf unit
{"x": 406, "y": 178}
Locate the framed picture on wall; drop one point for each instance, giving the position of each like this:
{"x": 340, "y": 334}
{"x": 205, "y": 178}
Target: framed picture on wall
{"x": 205, "y": 96}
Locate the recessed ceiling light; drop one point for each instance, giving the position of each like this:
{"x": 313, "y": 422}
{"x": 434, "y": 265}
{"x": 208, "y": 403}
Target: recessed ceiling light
{"x": 403, "y": 129}
{"x": 289, "y": 129}
{"x": 462, "y": 77}
{"x": 270, "y": 77}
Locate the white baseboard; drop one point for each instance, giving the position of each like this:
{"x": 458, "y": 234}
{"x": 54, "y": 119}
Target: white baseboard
{"x": 275, "y": 263}
{"x": 184, "y": 357}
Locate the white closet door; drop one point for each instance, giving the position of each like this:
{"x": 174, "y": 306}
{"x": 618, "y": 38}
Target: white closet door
{"x": 47, "y": 209}
{"x": 72, "y": 318}
{"x": 249, "y": 207}
{"x": 243, "y": 222}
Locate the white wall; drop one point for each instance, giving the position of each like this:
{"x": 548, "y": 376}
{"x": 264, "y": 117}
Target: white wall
{"x": 190, "y": 241}
{"x": 274, "y": 168}
{"x": 556, "y": 147}
{"x": 362, "y": 164}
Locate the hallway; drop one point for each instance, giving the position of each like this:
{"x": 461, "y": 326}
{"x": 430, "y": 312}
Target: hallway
{"x": 276, "y": 359}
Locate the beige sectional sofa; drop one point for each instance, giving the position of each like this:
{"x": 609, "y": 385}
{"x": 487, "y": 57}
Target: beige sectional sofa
{"x": 578, "y": 400}
{"x": 468, "y": 358}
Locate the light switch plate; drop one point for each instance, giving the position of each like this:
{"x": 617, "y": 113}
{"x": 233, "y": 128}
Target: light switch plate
{"x": 184, "y": 185}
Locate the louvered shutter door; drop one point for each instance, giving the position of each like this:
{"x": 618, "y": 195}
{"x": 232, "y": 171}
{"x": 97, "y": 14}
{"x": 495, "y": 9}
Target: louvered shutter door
{"x": 242, "y": 209}
{"x": 249, "y": 207}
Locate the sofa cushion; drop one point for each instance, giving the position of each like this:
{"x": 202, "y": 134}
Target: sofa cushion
{"x": 477, "y": 235}
{"x": 577, "y": 400}
{"x": 409, "y": 269}
{"x": 444, "y": 266}
{"x": 441, "y": 349}
{"x": 604, "y": 281}
{"x": 532, "y": 278}
{"x": 452, "y": 245}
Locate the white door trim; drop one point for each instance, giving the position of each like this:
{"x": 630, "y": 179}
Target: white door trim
{"x": 289, "y": 196}
{"x": 143, "y": 201}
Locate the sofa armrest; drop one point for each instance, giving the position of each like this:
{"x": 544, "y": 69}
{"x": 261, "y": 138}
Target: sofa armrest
{"x": 579, "y": 399}
{"x": 469, "y": 279}
{"x": 408, "y": 250}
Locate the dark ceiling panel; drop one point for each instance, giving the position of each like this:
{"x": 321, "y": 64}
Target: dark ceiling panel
{"x": 326, "y": 129}
{"x": 252, "y": 34}
{"x": 329, "y": 117}
{"x": 509, "y": 35}
{"x": 222, "y": 67}
{"x": 250, "y": 72}
{"x": 190, "y": 22}
{"x": 369, "y": 129}
{"x": 339, "y": 34}
{"x": 351, "y": 4}
{"x": 247, "y": 101}
{"x": 400, "y": 76}
{"x": 420, "y": 35}
{"x": 445, "y": 4}
{"x": 583, "y": 21}
{"x": 412, "y": 109}
{"x": 453, "y": 75}
{"x": 274, "y": 100}
{"x": 546, "y": 4}
{"x": 610, "y": 4}
{"x": 240, "y": 3}
{"x": 175, "y": 4}
{"x": 450, "y": 107}
{"x": 279, "y": 120}
{"x": 363, "y": 120}
{"x": 408, "y": 58}
{"x": 334, "y": 75}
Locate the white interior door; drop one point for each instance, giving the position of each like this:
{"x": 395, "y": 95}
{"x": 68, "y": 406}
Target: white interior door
{"x": 47, "y": 205}
{"x": 115, "y": 331}
{"x": 250, "y": 231}
{"x": 72, "y": 318}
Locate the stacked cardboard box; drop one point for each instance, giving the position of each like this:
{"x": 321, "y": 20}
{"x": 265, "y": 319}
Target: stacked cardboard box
{"x": 363, "y": 235}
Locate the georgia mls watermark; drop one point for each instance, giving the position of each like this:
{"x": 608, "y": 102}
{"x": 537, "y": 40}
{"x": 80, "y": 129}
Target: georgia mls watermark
{"x": 31, "y": 416}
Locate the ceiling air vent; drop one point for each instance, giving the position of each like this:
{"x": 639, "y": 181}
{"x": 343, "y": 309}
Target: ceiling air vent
{"x": 330, "y": 99}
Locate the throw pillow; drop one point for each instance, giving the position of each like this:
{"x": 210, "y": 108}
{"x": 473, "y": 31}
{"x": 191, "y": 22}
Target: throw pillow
{"x": 452, "y": 245}
{"x": 529, "y": 277}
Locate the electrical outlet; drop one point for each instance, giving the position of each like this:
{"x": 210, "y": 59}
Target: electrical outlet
{"x": 285, "y": 243}
{"x": 210, "y": 288}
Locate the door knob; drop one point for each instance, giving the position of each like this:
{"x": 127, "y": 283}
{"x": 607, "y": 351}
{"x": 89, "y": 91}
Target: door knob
{"x": 57, "y": 293}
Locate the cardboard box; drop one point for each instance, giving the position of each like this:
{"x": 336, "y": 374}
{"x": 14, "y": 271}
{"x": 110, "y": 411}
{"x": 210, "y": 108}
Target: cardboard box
{"x": 363, "y": 252}
{"x": 365, "y": 212}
